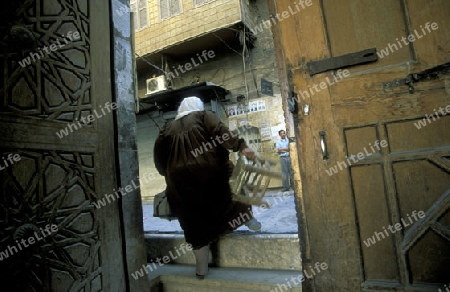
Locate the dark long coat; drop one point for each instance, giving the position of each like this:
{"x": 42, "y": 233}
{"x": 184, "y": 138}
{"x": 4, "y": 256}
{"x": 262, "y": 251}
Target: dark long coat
{"x": 192, "y": 153}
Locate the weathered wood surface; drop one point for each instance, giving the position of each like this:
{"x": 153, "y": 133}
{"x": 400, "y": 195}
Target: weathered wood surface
{"x": 58, "y": 179}
{"x": 340, "y": 211}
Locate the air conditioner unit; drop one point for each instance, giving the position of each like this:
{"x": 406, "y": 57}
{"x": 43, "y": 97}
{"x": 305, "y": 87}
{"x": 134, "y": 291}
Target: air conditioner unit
{"x": 156, "y": 84}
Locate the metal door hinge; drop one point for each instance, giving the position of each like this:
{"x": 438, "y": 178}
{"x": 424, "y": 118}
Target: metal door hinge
{"x": 428, "y": 74}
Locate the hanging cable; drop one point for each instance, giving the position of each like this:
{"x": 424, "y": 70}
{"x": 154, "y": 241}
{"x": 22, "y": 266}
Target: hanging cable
{"x": 245, "y": 69}
{"x": 151, "y": 64}
{"x": 245, "y": 75}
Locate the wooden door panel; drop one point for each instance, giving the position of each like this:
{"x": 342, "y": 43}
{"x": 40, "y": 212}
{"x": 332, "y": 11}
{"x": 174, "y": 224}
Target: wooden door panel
{"x": 404, "y": 136}
{"x": 423, "y": 256}
{"x": 390, "y": 107}
{"x": 408, "y": 175}
{"x": 52, "y": 187}
{"x": 361, "y": 139}
{"x": 347, "y": 35}
{"x": 367, "y": 87}
{"x": 362, "y": 199}
{"x": 57, "y": 179}
{"x": 434, "y": 47}
{"x": 372, "y": 211}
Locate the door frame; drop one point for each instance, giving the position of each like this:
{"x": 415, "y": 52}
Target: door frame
{"x": 292, "y": 119}
{"x": 124, "y": 90}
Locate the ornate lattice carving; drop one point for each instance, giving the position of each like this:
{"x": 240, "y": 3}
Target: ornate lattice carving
{"x": 56, "y": 85}
{"x": 48, "y": 188}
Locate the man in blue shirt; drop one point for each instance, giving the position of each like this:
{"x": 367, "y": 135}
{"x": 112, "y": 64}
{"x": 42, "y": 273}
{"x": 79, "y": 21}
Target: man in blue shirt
{"x": 282, "y": 146}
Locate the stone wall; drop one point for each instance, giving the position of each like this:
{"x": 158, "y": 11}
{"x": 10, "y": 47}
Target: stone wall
{"x": 191, "y": 22}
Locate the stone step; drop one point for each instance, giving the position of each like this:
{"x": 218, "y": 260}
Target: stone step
{"x": 181, "y": 278}
{"x": 239, "y": 250}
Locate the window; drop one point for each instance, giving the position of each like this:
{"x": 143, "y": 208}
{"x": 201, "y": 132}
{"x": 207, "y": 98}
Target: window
{"x": 169, "y": 8}
{"x": 139, "y": 7}
{"x": 200, "y": 2}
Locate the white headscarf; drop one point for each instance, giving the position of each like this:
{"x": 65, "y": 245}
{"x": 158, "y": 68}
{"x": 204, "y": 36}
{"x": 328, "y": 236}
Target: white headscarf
{"x": 189, "y": 105}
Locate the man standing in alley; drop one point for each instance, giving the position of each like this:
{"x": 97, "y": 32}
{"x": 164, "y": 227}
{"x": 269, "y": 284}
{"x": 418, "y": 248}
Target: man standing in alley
{"x": 282, "y": 146}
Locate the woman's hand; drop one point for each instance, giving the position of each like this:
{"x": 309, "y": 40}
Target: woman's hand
{"x": 249, "y": 153}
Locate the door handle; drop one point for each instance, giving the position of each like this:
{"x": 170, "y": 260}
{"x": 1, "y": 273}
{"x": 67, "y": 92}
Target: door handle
{"x": 323, "y": 145}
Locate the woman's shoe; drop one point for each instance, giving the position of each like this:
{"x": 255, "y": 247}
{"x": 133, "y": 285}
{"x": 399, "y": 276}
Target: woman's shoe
{"x": 201, "y": 261}
{"x": 253, "y": 224}
{"x": 200, "y": 277}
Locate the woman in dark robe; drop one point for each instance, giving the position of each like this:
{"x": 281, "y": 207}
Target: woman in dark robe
{"x": 192, "y": 153}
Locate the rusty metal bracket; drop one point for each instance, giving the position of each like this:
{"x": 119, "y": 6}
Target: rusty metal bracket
{"x": 365, "y": 56}
{"x": 428, "y": 74}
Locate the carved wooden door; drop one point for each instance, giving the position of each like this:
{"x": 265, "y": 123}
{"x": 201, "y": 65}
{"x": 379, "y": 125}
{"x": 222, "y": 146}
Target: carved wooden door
{"x": 375, "y": 157}
{"x": 55, "y": 74}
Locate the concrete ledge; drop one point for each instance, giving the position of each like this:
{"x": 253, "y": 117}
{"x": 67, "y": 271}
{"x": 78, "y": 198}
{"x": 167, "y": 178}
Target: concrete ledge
{"x": 258, "y": 251}
{"x": 182, "y": 278}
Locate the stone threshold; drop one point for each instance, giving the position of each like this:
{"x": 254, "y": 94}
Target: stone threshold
{"x": 254, "y": 251}
{"x": 182, "y": 278}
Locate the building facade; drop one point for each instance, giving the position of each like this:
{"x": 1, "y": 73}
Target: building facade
{"x": 225, "y": 43}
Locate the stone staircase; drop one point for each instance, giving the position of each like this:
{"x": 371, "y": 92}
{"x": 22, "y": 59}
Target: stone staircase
{"x": 243, "y": 261}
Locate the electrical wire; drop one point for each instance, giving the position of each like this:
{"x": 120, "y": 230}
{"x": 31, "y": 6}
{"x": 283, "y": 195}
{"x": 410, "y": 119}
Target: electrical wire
{"x": 244, "y": 50}
{"x": 150, "y": 63}
{"x": 245, "y": 69}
